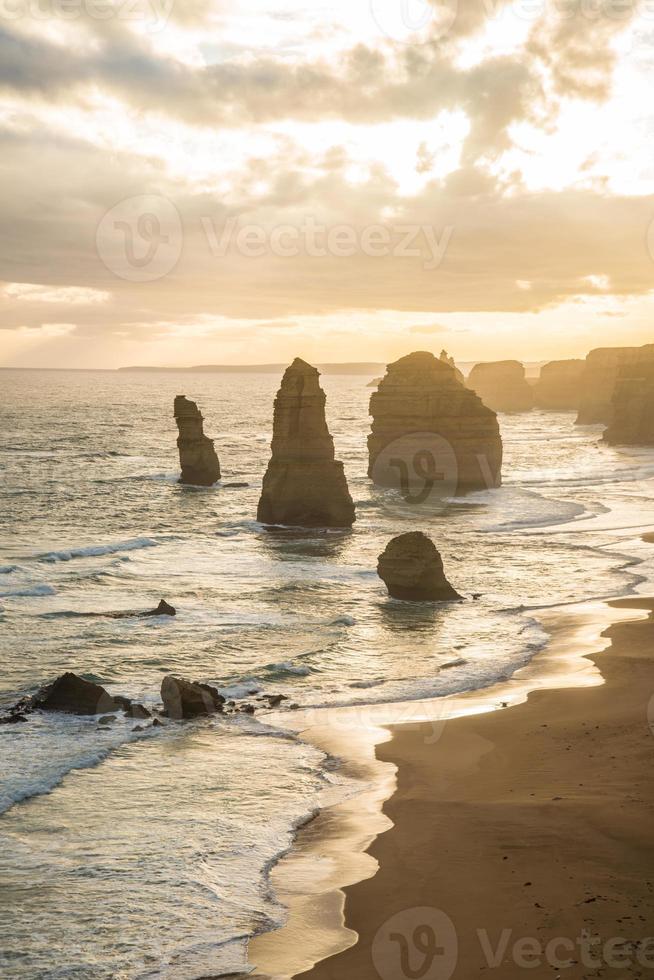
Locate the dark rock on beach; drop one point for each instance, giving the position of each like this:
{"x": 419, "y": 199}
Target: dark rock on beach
{"x": 73, "y": 695}
{"x": 188, "y": 699}
{"x": 412, "y": 569}
{"x": 137, "y": 711}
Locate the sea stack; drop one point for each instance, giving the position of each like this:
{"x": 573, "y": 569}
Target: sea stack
{"x": 304, "y": 485}
{"x": 412, "y": 569}
{"x": 200, "y": 464}
{"x": 632, "y": 422}
{"x": 419, "y": 406}
{"x": 558, "y": 386}
{"x": 502, "y": 386}
{"x": 599, "y": 377}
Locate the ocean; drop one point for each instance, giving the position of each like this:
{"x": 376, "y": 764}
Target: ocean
{"x": 133, "y": 855}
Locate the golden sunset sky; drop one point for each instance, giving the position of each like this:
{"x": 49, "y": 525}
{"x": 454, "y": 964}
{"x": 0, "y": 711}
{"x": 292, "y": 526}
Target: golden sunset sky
{"x": 206, "y": 181}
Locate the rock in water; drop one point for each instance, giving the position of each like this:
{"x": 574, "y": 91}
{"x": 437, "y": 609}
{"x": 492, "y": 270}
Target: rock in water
{"x": 632, "y": 421}
{"x": 412, "y": 569}
{"x": 75, "y": 696}
{"x": 188, "y": 699}
{"x": 502, "y": 386}
{"x": 599, "y": 377}
{"x": 200, "y": 465}
{"x": 163, "y": 609}
{"x": 304, "y": 485}
{"x": 421, "y": 409}
{"x": 558, "y": 386}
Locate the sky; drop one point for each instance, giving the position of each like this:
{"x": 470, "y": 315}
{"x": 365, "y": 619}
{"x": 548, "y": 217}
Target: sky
{"x": 205, "y": 181}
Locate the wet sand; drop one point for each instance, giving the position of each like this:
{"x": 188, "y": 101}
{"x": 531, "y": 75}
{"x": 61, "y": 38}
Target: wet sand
{"x": 509, "y": 829}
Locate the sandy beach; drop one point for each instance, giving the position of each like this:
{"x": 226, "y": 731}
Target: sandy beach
{"x": 516, "y": 840}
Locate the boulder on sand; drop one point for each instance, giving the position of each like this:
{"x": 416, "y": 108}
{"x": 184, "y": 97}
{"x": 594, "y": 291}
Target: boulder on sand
{"x": 412, "y": 569}
{"x": 502, "y": 386}
{"x": 188, "y": 699}
{"x": 73, "y": 695}
{"x": 304, "y": 486}
{"x": 197, "y": 456}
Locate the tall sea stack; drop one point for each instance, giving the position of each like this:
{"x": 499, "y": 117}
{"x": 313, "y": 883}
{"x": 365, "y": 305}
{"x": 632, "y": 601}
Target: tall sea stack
{"x": 632, "y": 422}
{"x": 558, "y": 386}
{"x": 502, "y": 386}
{"x": 421, "y": 409}
{"x": 599, "y": 377}
{"x": 200, "y": 465}
{"x": 304, "y": 485}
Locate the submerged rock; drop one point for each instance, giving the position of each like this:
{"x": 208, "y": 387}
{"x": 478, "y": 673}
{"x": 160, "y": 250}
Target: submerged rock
{"x": 199, "y": 462}
{"x": 502, "y": 386}
{"x": 558, "y": 386}
{"x": 188, "y": 699}
{"x": 412, "y": 569}
{"x": 163, "y": 609}
{"x": 632, "y": 421}
{"x": 73, "y": 695}
{"x": 599, "y": 377}
{"x": 426, "y": 421}
{"x": 304, "y": 486}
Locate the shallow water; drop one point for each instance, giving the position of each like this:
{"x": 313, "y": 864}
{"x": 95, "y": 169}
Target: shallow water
{"x": 146, "y": 854}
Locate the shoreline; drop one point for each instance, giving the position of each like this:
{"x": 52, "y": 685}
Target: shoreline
{"x": 336, "y": 854}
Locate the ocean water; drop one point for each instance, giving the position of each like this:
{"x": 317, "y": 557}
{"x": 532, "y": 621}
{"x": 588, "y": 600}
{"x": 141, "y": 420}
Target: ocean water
{"x": 136, "y": 855}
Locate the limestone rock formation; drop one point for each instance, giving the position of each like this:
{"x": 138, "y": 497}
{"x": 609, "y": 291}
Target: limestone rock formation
{"x": 188, "y": 699}
{"x": 428, "y": 425}
{"x": 200, "y": 464}
{"x": 558, "y": 387}
{"x": 599, "y": 379}
{"x": 412, "y": 569}
{"x": 73, "y": 695}
{"x": 304, "y": 485}
{"x": 502, "y": 386}
{"x": 632, "y": 422}
{"x": 446, "y": 359}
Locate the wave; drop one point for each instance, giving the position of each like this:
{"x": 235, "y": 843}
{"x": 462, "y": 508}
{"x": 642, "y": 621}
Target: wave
{"x": 28, "y": 592}
{"x": 8, "y": 569}
{"x": 95, "y": 551}
{"x": 287, "y": 667}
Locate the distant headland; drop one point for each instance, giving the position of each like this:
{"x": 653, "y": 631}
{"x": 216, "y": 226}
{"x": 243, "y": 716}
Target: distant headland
{"x": 352, "y": 367}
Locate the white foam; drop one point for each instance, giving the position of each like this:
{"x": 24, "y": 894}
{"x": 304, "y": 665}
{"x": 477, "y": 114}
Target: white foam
{"x": 28, "y": 592}
{"x": 95, "y": 551}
